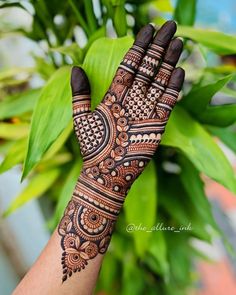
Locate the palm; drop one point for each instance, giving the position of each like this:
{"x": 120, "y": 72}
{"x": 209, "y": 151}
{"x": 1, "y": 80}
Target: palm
{"x": 120, "y": 136}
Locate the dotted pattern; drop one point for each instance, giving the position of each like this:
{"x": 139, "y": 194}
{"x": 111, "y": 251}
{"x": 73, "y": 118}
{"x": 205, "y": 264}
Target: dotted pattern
{"x": 138, "y": 105}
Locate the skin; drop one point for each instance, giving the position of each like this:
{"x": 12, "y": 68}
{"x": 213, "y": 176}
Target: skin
{"x": 45, "y": 276}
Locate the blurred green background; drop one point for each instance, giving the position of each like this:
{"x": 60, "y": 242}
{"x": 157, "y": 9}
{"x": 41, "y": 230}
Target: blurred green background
{"x": 36, "y": 126}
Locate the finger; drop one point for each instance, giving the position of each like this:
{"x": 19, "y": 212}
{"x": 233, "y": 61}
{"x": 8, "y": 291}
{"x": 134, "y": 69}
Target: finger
{"x": 170, "y": 96}
{"x": 125, "y": 74}
{"x": 138, "y": 107}
{"x": 80, "y": 92}
{"x": 161, "y": 79}
{"x": 170, "y": 60}
{"x": 155, "y": 51}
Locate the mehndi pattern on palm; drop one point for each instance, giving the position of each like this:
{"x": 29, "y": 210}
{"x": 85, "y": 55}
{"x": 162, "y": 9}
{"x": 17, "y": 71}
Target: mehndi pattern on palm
{"x": 118, "y": 139}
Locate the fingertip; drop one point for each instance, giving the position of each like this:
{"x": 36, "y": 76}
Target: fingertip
{"x": 174, "y": 51}
{"x": 144, "y": 36}
{"x": 165, "y": 34}
{"x": 79, "y": 81}
{"x": 177, "y": 79}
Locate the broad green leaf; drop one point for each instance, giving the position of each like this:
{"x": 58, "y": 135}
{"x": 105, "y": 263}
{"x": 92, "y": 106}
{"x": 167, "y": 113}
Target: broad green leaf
{"x": 15, "y": 155}
{"x": 219, "y": 115}
{"x": 192, "y": 139}
{"x": 109, "y": 274}
{"x": 51, "y": 116}
{"x": 119, "y": 20}
{"x": 218, "y": 42}
{"x": 199, "y": 97}
{"x": 185, "y": 12}
{"x": 158, "y": 251}
{"x": 99, "y": 33}
{"x": 163, "y": 5}
{"x": 73, "y": 51}
{"x": 180, "y": 257}
{"x": 132, "y": 277}
{"x": 226, "y": 135}
{"x": 140, "y": 207}
{"x": 18, "y": 104}
{"x": 12, "y": 72}
{"x": 182, "y": 211}
{"x": 56, "y": 161}
{"x": 194, "y": 186}
{"x": 13, "y": 131}
{"x": 66, "y": 193}
{"x": 101, "y": 63}
{"x": 37, "y": 186}
{"x": 59, "y": 142}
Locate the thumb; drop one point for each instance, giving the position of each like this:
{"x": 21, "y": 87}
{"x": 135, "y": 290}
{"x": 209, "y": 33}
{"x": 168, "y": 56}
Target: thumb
{"x": 80, "y": 92}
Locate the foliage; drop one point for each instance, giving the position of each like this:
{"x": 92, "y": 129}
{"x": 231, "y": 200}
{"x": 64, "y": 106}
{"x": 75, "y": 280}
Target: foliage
{"x": 36, "y": 130}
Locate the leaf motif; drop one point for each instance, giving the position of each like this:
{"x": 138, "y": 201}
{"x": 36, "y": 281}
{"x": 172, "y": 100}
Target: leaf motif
{"x": 62, "y": 231}
{"x": 84, "y": 255}
{"x": 84, "y": 245}
{"x": 102, "y": 243}
{"x": 71, "y": 250}
{"x": 69, "y": 226}
{"x": 77, "y": 243}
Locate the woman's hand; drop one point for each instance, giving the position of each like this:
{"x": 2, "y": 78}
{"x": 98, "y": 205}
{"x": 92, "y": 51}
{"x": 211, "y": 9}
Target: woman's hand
{"x": 118, "y": 139}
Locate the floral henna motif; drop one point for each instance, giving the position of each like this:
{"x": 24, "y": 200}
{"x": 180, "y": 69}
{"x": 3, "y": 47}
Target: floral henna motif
{"x": 117, "y": 140}
{"x": 85, "y": 233}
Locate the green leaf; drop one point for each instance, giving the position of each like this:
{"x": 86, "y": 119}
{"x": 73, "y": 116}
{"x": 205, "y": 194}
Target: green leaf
{"x": 59, "y": 142}
{"x": 218, "y": 42}
{"x": 185, "y": 12}
{"x": 13, "y": 131}
{"x": 199, "y": 97}
{"x": 132, "y": 277}
{"x": 15, "y": 155}
{"x": 101, "y": 63}
{"x": 194, "y": 186}
{"x": 99, "y": 33}
{"x": 220, "y": 115}
{"x": 66, "y": 193}
{"x": 140, "y": 207}
{"x": 158, "y": 250}
{"x": 163, "y": 6}
{"x": 182, "y": 211}
{"x": 18, "y": 104}
{"x": 226, "y": 135}
{"x": 73, "y": 51}
{"x": 51, "y": 116}
{"x": 184, "y": 133}
{"x": 109, "y": 274}
{"x": 180, "y": 256}
{"x": 36, "y": 187}
{"x": 119, "y": 20}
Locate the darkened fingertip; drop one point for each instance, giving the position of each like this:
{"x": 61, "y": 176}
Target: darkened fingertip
{"x": 174, "y": 51}
{"x": 144, "y": 36}
{"x": 177, "y": 79}
{"x": 79, "y": 81}
{"x": 165, "y": 34}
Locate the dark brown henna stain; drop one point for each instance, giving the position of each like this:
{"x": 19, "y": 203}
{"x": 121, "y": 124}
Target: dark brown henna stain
{"x": 117, "y": 140}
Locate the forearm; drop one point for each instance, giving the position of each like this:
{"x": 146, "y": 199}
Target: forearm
{"x": 71, "y": 250}
{"x": 87, "y": 224}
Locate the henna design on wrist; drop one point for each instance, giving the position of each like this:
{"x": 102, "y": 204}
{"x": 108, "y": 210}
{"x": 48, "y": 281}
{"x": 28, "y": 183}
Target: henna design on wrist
{"x": 117, "y": 140}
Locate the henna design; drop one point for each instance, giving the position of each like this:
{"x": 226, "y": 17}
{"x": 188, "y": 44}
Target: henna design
{"x": 117, "y": 140}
